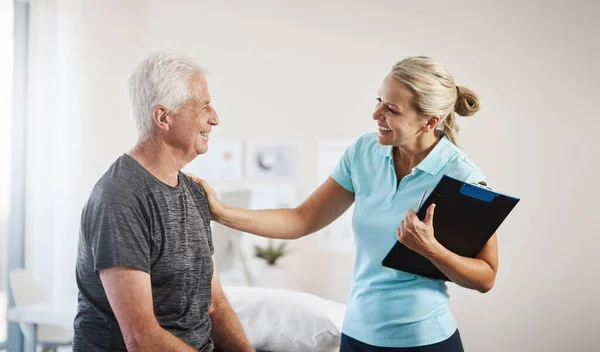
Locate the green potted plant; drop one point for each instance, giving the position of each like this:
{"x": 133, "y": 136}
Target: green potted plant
{"x": 271, "y": 253}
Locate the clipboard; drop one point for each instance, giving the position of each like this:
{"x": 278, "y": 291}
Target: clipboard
{"x": 466, "y": 216}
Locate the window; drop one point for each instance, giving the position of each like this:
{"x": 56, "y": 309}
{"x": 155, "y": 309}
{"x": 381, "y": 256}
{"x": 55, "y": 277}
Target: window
{"x": 6, "y": 87}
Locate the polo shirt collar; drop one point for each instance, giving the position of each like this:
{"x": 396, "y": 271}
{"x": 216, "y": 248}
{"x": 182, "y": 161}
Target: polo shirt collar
{"x": 433, "y": 162}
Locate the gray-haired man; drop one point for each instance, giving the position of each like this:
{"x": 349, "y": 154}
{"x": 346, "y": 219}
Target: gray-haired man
{"x": 144, "y": 266}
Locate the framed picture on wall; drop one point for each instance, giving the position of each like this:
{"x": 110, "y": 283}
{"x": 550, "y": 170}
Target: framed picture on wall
{"x": 271, "y": 161}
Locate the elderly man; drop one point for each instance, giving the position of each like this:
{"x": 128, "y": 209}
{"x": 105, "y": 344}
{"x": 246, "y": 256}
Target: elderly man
{"x": 144, "y": 268}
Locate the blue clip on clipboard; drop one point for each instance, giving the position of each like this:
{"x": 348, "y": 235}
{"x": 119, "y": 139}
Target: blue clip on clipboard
{"x": 466, "y": 216}
{"x": 478, "y": 192}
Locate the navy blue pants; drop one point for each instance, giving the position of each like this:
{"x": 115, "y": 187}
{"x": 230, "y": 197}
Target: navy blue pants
{"x": 452, "y": 344}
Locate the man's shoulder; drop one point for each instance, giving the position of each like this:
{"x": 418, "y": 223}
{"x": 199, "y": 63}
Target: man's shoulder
{"x": 193, "y": 186}
{"x": 114, "y": 189}
{"x": 119, "y": 183}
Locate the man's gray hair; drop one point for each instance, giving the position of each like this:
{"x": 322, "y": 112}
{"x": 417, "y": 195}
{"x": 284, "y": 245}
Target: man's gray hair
{"x": 162, "y": 78}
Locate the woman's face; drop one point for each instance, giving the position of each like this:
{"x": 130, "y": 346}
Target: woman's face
{"x": 396, "y": 114}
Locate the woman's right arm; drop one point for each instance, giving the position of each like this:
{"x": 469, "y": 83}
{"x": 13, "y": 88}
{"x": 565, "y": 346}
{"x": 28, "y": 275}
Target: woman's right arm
{"x": 321, "y": 208}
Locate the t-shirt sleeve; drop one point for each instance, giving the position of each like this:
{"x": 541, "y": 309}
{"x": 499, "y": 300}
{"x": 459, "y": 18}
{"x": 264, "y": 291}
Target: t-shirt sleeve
{"x": 342, "y": 173}
{"x": 118, "y": 232}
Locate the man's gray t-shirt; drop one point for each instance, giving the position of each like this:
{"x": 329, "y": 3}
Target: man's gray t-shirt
{"x": 133, "y": 219}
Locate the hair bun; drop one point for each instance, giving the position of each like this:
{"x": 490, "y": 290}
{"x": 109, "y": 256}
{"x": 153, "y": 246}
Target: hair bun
{"x": 467, "y": 102}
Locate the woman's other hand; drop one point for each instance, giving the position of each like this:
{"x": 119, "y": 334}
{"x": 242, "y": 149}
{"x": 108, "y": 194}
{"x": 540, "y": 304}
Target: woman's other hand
{"x": 418, "y": 235}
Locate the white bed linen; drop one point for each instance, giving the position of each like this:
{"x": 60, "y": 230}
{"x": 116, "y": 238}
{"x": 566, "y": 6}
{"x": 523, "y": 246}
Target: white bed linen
{"x": 279, "y": 320}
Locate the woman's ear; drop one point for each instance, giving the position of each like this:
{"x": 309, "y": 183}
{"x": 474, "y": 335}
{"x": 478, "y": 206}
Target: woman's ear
{"x": 432, "y": 123}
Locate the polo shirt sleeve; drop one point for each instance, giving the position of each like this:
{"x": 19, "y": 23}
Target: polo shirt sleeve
{"x": 342, "y": 173}
{"x": 476, "y": 176}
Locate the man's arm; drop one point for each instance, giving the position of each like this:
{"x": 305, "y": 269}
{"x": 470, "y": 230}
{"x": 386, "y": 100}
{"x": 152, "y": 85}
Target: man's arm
{"x": 227, "y": 331}
{"x": 130, "y": 296}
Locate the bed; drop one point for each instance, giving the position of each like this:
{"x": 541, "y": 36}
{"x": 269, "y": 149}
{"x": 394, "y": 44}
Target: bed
{"x": 274, "y": 319}
{"x": 282, "y": 320}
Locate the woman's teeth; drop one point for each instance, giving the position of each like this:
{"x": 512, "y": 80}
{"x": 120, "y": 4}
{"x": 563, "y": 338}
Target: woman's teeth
{"x": 384, "y": 129}
{"x": 204, "y": 134}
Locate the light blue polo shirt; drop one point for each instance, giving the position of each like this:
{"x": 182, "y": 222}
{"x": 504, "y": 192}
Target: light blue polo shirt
{"x": 387, "y": 307}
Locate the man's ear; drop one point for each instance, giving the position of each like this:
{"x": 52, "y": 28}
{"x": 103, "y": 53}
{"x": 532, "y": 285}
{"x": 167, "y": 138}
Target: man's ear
{"x": 161, "y": 117}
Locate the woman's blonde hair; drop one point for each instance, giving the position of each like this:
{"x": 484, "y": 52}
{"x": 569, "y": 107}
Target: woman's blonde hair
{"x": 436, "y": 94}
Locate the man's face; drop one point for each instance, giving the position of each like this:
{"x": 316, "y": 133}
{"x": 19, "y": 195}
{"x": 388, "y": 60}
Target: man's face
{"x": 190, "y": 128}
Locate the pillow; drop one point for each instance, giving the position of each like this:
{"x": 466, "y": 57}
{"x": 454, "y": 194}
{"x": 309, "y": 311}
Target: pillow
{"x": 286, "y": 320}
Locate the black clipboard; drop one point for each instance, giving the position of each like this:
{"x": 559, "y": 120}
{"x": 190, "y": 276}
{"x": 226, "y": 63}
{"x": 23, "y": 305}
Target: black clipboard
{"x": 466, "y": 216}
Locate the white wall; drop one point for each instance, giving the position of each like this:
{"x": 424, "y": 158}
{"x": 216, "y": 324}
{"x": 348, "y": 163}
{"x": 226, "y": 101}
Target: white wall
{"x": 306, "y": 70}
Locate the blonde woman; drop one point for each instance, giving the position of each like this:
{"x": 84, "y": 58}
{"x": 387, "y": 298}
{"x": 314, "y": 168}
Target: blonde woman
{"x": 385, "y": 174}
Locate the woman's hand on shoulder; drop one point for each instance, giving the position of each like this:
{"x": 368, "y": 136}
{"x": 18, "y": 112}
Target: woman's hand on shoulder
{"x": 216, "y": 207}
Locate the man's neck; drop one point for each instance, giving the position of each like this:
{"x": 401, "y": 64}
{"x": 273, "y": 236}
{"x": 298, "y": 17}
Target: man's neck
{"x": 159, "y": 159}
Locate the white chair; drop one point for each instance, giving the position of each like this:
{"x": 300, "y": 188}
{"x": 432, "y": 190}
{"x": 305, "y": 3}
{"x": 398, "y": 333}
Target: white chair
{"x": 25, "y": 292}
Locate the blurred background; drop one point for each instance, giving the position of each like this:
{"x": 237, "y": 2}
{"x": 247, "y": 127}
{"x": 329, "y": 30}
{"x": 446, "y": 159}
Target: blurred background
{"x": 294, "y": 82}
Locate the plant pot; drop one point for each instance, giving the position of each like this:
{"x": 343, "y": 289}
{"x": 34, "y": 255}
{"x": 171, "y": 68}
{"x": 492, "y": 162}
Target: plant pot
{"x": 273, "y": 276}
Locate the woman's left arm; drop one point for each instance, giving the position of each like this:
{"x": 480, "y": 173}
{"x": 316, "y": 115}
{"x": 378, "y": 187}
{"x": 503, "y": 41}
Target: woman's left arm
{"x": 477, "y": 273}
